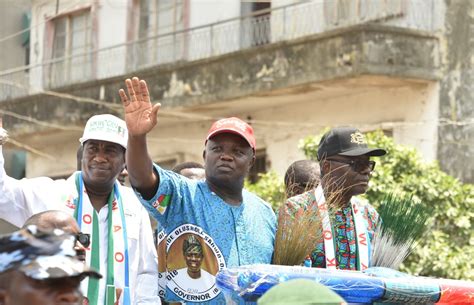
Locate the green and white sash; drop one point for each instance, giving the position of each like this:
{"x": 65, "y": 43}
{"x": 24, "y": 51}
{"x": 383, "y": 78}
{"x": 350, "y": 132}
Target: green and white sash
{"x": 363, "y": 251}
{"x": 117, "y": 247}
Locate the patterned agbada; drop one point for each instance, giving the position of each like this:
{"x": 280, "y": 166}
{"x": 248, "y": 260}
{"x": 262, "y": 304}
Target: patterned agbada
{"x": 343, "y": 229}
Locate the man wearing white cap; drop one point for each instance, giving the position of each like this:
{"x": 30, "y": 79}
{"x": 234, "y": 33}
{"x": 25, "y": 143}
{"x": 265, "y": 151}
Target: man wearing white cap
{"x": 122, "y": 243}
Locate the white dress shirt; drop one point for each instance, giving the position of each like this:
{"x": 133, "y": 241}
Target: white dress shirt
{"x": 20, "y": 199}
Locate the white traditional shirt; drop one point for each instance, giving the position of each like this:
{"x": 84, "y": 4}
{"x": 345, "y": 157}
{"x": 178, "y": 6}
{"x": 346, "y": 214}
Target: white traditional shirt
{"x": 193, "y": 286}
{"x": 20, "y": 199}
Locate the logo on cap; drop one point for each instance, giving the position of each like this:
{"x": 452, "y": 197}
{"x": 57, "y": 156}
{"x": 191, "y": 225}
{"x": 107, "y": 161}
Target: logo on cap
{"x": 236, "y": 123}
{"x": 233, "y": 125}
{"x": 106, "y": 127}
{"x": 358, "y": 138}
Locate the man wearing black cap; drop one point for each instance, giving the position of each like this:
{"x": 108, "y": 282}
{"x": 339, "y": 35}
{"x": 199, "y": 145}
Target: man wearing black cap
{"x": 235, "y": 226}
{"x": 348, "y": 223}
{"x": 38, "y": 268}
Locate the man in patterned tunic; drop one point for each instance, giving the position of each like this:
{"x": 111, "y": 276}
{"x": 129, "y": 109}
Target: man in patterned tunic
{"x": 234, "y": 226}
{"x": 348, "y": 223}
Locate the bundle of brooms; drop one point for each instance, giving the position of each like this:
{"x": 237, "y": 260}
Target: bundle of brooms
{"x": 297, "y": 234}
{"x": 404, "y": 222}
{"x": 299, "y": 230}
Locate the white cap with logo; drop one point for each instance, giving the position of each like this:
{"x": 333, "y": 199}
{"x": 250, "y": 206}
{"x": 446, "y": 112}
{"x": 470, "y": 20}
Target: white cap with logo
{"x": 106, "y": 127}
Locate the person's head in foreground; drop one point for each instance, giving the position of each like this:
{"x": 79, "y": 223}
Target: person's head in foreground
{"x": 193, "y": 255}
{"x": 192, "y": 170}
{"x": 344, "y": 158}
{"x": 300, "y": 292}
{"x": 301, "y": 176}
{"x": 39, "y": 268}
{"x": 50, "y": 220}
{"x": 229, "y": 154}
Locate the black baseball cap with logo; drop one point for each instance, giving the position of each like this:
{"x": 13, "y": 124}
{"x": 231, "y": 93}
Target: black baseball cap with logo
{"x": 346, "y": 141}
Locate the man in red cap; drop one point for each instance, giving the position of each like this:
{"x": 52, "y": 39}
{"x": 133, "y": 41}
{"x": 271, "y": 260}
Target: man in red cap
{"x": 234, "y": 226}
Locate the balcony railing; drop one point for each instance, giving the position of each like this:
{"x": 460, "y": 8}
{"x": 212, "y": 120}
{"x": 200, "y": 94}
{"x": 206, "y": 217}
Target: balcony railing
{"x": 280, "y": 24}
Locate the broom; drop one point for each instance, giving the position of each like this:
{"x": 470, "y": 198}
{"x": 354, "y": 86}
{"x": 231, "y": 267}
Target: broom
{"x": 297, "y": 234}
{"x": 299, "y": 230}
{"x": 403, "y": 223}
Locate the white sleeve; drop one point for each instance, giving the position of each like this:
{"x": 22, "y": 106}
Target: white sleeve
{"x": 146, "y": 288}
{"x": 19, "y": 199}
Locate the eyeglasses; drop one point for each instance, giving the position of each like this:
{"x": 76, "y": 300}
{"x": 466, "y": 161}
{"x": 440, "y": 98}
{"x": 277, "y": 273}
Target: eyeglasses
{"x": 357, "y": 165}
{"x": 84, "y": 239}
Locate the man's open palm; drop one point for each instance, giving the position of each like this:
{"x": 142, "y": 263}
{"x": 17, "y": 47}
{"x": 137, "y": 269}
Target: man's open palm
{"x": 140, "y": 114}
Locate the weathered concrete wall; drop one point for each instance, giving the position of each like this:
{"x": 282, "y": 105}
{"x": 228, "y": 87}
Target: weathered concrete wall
{"x": 12, "y": 52}
{"x": 407, "y": 108}
{"x": 344, "y": 53}
{"x": 456, "y": 132}
{"x": 387, "y": 74}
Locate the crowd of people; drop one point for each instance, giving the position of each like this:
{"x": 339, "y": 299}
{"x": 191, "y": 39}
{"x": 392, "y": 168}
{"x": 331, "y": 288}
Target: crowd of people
{"x": 94, "y": 234}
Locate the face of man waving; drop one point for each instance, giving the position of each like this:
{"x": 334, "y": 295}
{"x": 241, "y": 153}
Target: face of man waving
{"x": 228, "y": 158}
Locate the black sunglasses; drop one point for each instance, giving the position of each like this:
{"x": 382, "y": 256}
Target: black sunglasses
{"x": 84, "y": 239}
{"x": 357, "y": 165}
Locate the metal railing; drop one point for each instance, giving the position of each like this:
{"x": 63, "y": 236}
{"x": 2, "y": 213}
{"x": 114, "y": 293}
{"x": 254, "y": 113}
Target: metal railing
{"x": 279, "y": 24}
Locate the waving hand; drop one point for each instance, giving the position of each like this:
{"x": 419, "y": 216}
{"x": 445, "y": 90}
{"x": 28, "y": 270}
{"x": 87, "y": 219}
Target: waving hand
{"x": 140, "y": 115}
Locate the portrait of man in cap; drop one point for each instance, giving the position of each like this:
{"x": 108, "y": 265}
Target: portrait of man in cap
{"x": 193, "y": 278}
{"x": 38, "y": 268}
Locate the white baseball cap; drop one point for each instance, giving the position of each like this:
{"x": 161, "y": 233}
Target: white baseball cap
{"x": 106, "y": 127}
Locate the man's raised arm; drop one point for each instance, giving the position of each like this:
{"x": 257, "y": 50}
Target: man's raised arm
{"x": 141, "y": 117}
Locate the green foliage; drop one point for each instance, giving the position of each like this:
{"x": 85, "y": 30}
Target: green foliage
{"x": 448, "y": 248}
{"x": 309, "y": 145}
{"x": 270, "y": 187}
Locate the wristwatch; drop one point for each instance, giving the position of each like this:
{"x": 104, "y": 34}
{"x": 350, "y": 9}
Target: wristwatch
{"x": 3, "y": 136}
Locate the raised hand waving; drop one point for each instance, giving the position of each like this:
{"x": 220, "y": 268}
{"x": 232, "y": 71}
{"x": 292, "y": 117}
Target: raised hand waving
{"x": 140, "y": 115}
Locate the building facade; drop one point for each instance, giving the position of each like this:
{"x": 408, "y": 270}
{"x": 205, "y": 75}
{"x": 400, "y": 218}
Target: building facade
{"x": 290, "y": 68}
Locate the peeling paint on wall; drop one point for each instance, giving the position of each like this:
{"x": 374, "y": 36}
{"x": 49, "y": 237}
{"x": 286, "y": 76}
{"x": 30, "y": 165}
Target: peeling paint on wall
{"x": 278, "y": 69}
{"x": 178, "y": 88}
{"x": 456, "y": 135}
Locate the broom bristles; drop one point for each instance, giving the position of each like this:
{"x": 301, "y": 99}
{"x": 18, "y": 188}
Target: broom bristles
{"x": 296, "y": 236}
{"x": 404, "y": 222}
{"x": 299, "y": 231}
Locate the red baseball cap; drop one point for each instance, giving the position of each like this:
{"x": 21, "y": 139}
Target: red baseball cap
{"x": 235, "y": 126}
